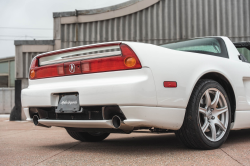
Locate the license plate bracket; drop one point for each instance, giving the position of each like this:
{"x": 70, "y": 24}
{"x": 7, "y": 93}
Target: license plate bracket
{"x": 68, "y": 103}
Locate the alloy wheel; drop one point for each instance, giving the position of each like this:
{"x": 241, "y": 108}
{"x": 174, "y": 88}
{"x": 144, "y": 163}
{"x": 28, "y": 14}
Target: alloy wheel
{"x": 213, "y": 114}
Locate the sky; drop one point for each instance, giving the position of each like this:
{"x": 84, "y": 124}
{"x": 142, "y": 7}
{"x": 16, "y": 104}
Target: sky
{"x": 19, "y": 19}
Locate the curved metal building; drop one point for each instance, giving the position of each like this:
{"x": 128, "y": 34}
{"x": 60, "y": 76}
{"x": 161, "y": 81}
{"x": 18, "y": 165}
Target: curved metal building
{"x": 154, "y": 21}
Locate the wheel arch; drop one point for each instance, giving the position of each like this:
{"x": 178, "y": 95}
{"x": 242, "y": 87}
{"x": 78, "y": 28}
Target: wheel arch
{"x": 225, "y": 83}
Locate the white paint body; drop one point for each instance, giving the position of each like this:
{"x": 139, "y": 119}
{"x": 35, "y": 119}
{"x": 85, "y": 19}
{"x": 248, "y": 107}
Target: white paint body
{"x": 140, "y": 93}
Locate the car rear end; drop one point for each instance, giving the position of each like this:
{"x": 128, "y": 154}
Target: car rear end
{"x": 88, "y": 86}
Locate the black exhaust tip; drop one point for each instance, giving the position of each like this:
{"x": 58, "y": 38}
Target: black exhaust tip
{"x": 36, "y": 123}
{"x": 116, "y": 121}
{"x": 35, "y": 120}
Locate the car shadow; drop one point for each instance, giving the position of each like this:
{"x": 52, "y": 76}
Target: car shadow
{"x": 141, "y": 145}
{"x": 237, "y": 137}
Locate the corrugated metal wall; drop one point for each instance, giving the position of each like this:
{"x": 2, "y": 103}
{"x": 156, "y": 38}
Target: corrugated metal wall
{"x": 26, "y": 61}
{"x": 166, "y": 21}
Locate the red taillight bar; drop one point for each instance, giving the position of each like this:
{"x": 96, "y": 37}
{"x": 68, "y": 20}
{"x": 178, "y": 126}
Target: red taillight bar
{"x": 128, "y": 60}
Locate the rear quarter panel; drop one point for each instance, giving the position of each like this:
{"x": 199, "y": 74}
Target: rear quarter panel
{"x": 186, "y": 69}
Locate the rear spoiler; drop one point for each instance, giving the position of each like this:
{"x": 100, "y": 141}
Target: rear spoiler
{"x": 80, "y": 53}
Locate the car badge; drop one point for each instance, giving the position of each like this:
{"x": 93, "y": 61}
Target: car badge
{"x": 71, "y": 68}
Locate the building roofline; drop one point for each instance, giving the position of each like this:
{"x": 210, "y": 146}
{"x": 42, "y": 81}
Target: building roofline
{"x": 111, "y": 12}
{"x": 33, "y": 42}
{"x": 7, "y": 58}
{"x": 95, "y": 11}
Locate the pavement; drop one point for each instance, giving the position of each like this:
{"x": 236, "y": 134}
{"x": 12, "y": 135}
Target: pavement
{"x": 21, "y": 143}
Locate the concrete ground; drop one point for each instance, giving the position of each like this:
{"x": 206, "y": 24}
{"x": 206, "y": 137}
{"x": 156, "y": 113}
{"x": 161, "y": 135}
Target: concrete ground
{"x": 21, "y": 143}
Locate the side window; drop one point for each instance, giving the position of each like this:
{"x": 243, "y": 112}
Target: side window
{"x": 245, "y": 52}
{"x": 3, "y": 81}
{"x": 211, "y": 46}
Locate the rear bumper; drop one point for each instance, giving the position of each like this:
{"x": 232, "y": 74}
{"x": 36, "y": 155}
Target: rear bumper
{"x": 128, "y": 87}
{"x": 136, "y": 116}
{"x": 132, "y": 90}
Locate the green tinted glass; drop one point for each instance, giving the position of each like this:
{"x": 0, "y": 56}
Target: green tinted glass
{"x": 245, "y": 52}
{"x": 211, "y": 46}
{"x": 4, "y": 67}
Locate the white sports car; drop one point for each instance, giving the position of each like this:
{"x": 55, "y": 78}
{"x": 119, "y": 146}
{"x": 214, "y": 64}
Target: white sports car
{"x": 199, "y": 89}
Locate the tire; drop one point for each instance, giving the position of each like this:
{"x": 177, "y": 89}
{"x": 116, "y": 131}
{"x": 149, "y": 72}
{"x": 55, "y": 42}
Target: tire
{"x": 88, "y": 137}
{"x": 207, "y": 122}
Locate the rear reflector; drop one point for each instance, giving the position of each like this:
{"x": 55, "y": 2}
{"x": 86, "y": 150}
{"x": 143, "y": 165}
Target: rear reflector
{"x": 126, "y": 60}
{"x": 60, "y": 69}
{"x": 170, "y": 84}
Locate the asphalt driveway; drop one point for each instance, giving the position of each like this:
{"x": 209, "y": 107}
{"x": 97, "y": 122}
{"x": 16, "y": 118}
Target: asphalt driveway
{"x": 21, "y": 143}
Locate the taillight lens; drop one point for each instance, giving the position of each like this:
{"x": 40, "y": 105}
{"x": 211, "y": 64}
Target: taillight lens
{"x": 33, "y": 65}
{"x": 32, "y": 73}
{"x": 128, "y": 60}
{"x": 112, "y": 63}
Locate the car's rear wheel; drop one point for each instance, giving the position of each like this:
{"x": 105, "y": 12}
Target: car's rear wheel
{"x": 88, "y": 137}
{"x": 208, "y": 117}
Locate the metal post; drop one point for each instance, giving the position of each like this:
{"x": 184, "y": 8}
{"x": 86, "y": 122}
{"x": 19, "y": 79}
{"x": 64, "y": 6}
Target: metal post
{"x": 17, "y": 109}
